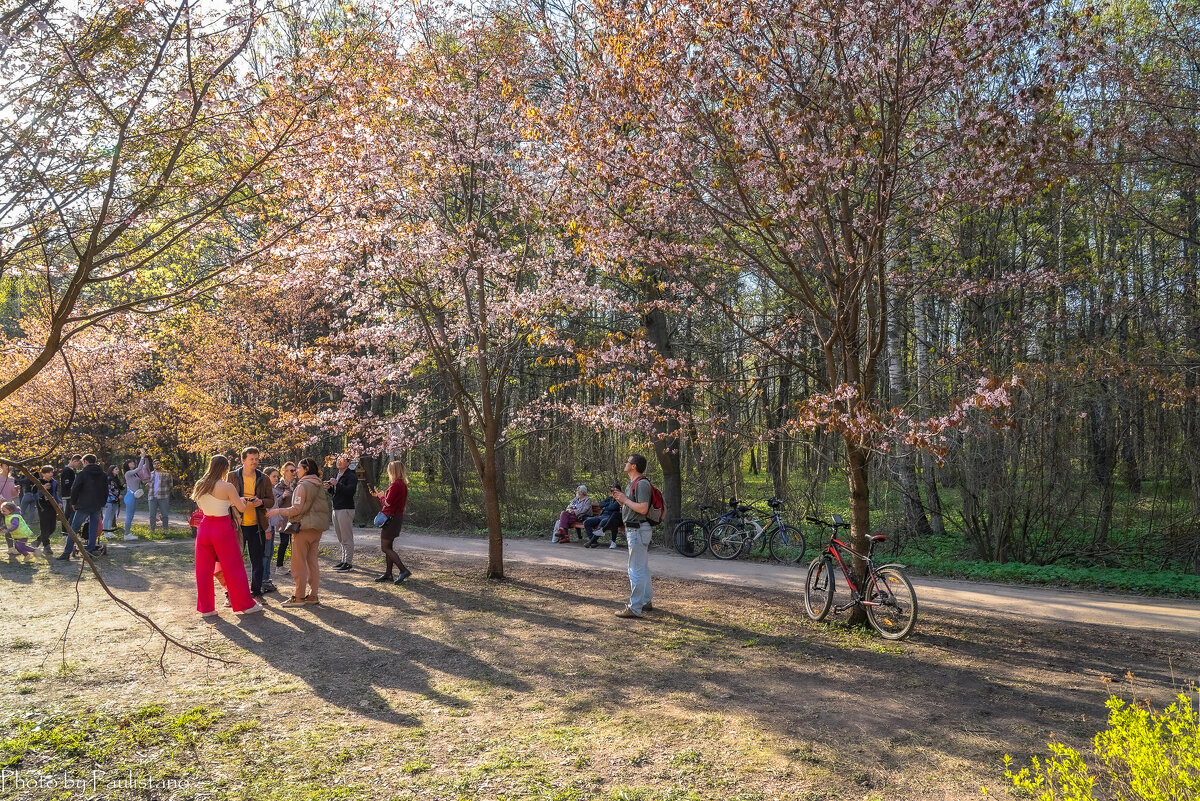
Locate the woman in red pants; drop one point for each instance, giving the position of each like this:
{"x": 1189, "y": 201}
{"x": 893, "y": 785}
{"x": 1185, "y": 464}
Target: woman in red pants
{"x": 217, "y": 542}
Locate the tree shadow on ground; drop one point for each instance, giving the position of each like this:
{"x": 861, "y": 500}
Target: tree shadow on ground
{"x": 970, "y": 688}
{"x": 354, "y": 663}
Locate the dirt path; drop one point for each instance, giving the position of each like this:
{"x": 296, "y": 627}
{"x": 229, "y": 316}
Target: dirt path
{"x": 1038, "y": 603}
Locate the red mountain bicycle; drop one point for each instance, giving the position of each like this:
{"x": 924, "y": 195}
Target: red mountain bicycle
{"x": 886, "y": 594}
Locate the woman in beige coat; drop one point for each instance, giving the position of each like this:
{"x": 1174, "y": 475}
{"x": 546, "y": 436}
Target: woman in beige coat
{"x": 310, "y": 508}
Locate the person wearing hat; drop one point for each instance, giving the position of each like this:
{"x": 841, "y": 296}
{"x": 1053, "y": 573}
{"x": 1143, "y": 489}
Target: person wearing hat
{"x": 579, "y": 508}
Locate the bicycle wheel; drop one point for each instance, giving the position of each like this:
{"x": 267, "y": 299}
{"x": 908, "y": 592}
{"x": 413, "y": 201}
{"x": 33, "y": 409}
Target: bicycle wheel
{"x": 726, "y": 541}
{"x": 787, "y": 544}
{"x": 891, "y": 603}
{"x": 690, "y": 537}
{"x": 818, "y": 588}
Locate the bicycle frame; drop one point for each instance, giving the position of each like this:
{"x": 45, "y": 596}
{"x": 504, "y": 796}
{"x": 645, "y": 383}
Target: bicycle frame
{"x": 848, "y": 574}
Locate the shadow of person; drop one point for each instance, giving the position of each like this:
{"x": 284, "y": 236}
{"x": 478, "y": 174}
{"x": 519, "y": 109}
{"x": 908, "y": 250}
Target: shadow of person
{"x": 16, "y": 571}
{"x": 358, "y": 665}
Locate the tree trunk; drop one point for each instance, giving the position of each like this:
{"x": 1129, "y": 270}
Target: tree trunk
{"x": 666, "y": 440}
{"x": 921, "y": 340}
{"x": 366, "y": 505}
{"x": 904, "y": 464}
{"x": 491, "y": 500}
{"x": 857, "y": 459}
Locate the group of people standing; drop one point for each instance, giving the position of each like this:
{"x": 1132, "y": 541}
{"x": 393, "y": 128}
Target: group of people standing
{"x": 262, "y": 513}
{"x": 87, "y": 493}
{"x": 289, "y": 505}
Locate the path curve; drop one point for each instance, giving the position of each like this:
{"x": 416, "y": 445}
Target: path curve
{"x": 1040, "y": 603}
{"x": 1037, "y": 603}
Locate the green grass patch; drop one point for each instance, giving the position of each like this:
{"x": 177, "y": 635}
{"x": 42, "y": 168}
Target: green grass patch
{"x": 1140, "y": 582}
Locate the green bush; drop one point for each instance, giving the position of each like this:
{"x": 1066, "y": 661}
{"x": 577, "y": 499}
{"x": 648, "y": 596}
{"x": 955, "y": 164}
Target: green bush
{"x": 1141, "y": 756}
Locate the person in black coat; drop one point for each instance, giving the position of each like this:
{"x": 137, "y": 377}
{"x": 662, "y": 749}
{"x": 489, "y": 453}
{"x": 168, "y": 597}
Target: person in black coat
{"x": 89, "y": 493}
{"x": 66, "y": 483}
{"x": 609, "y": 517}
{"x": 343, "y": 487}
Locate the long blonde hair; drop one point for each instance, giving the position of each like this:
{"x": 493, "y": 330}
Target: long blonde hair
{"x": 395, "y": 471}
{"x": 218, "y": 467}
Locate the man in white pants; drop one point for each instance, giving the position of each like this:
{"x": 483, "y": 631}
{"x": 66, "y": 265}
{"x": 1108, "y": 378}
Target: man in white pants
{"x": 343, "y": 487}
{"x": 635, "y": 503}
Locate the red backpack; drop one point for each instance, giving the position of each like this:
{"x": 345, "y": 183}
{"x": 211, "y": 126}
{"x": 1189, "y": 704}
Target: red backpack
{"x": 657, "y": 509}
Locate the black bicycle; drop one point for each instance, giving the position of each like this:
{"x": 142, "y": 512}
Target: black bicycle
{"x": 885, "y": 594}
{"x": 785, "y": 542}
{"x": 690, "y": 535}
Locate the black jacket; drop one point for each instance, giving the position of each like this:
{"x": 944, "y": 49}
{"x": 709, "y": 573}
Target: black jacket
{"x": 66, "y": 481}
{"x": 90, "y": 491}
{"x": 343, "y": 490}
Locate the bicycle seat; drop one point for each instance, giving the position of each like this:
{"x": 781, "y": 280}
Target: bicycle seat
{"x": 705, "y": 508}
{"x": 878, "y": 537}
{"x": 743, "y": 509}
{"x": 775, "y": 503}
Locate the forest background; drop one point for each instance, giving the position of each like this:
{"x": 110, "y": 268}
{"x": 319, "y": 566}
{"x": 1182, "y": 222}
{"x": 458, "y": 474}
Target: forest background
{"x": 930, "y": 264}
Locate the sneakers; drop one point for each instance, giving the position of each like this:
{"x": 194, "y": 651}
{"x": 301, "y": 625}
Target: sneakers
{"x": 343, "y": 567}
{"x": 627, "y": 612}
{"x": 339, "y": 565}
{"x": 647, "y": 607}
{"x": 385, "y": 577}
{"x": 269, "y": 586}
{"x": 400, "y": 578}
{"x": 64, "y": 558}
{"x": 591, "y": 544}
{"x": 130, "y": 537}
{"x": 13, "y": 552}
{"x": 210, "y": 615}
{"x": 254, "y": 610}
{"x": 612, "y": 546}
{"x": 294, "y": 601}
{"x": 310, "y": 600}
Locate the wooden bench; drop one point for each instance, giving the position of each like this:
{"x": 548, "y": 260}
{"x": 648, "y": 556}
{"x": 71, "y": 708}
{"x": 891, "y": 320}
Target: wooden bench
{"x": 578, "y": 525}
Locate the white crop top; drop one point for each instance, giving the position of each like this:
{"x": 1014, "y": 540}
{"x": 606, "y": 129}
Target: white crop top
{"x": 213, "y": 507}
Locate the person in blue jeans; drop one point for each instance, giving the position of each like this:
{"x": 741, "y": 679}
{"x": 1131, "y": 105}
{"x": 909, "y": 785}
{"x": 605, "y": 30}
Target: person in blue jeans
{"x": 635, "y": 504}
{"x": 136, "y": 480}
{"x": 88, "y": 496}
{"x": 593, "y": 527}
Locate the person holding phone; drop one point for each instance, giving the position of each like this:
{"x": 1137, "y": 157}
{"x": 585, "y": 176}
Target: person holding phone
{"x": 635, "y": 504}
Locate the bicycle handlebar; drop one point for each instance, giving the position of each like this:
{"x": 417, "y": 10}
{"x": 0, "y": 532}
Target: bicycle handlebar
{"x": 826, "y": 524}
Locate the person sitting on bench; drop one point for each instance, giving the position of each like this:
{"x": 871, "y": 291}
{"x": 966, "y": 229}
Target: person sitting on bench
{"x": 608, "y": 520}
{"x": 579, "y": 508}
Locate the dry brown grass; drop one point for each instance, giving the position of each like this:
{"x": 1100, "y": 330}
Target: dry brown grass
{"x": 455, "y": 687}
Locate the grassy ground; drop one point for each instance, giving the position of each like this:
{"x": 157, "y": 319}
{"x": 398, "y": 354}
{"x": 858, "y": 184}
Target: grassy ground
{"x": 454, "y": 687}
